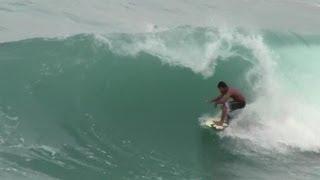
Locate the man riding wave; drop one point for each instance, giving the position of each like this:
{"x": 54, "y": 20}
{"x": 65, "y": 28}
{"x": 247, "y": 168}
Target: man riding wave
{"x": 238, "y": 101}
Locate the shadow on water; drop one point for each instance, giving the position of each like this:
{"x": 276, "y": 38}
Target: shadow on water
{"x": 215, "y": 158}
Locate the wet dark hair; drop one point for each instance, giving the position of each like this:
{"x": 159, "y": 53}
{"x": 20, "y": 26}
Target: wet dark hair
{"x": 222, "y": 84}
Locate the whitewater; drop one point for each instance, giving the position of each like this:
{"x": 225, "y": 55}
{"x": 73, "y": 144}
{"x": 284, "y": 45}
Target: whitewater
{"x": 117, "y": 89}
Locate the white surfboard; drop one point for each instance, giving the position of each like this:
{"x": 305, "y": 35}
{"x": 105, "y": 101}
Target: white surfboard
{"x": 211, "y": 122}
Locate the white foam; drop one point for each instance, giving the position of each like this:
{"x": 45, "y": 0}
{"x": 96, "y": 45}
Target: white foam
{"x": 199, "y": 49}
{"x": 280, "y": 117}
{"x": 285, "y": 111}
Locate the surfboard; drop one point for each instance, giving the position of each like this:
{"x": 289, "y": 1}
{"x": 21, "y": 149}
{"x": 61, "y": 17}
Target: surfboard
{"x": 210, "y": 122}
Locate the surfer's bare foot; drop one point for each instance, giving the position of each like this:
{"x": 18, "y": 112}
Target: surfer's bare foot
{"x": 219, "y": 123}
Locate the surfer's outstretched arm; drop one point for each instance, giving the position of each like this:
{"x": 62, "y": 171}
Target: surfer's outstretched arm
{"x": 217, "y": 98}
{"x": 223, "y": 99}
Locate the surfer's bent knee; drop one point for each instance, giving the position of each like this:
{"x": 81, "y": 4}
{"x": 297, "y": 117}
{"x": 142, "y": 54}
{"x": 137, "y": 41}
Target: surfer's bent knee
{"x": 224, "y": 107}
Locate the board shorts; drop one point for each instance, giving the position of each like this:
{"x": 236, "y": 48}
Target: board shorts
{"x": 234, "y": 105}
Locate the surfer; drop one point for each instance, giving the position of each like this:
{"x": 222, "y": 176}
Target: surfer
{"x": 238, "y": 101}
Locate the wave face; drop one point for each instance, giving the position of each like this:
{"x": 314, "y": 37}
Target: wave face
{"x": 106, "y": 99}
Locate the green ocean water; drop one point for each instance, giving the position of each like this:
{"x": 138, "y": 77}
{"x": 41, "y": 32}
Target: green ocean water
{"x": 85, "y": 107}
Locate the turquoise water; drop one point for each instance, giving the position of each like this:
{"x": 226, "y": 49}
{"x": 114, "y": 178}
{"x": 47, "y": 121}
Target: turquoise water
{"x": 128, "y": 105}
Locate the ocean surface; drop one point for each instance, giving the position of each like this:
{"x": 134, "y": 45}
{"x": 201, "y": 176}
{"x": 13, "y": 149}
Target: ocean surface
{"x": 117, "y": 89}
